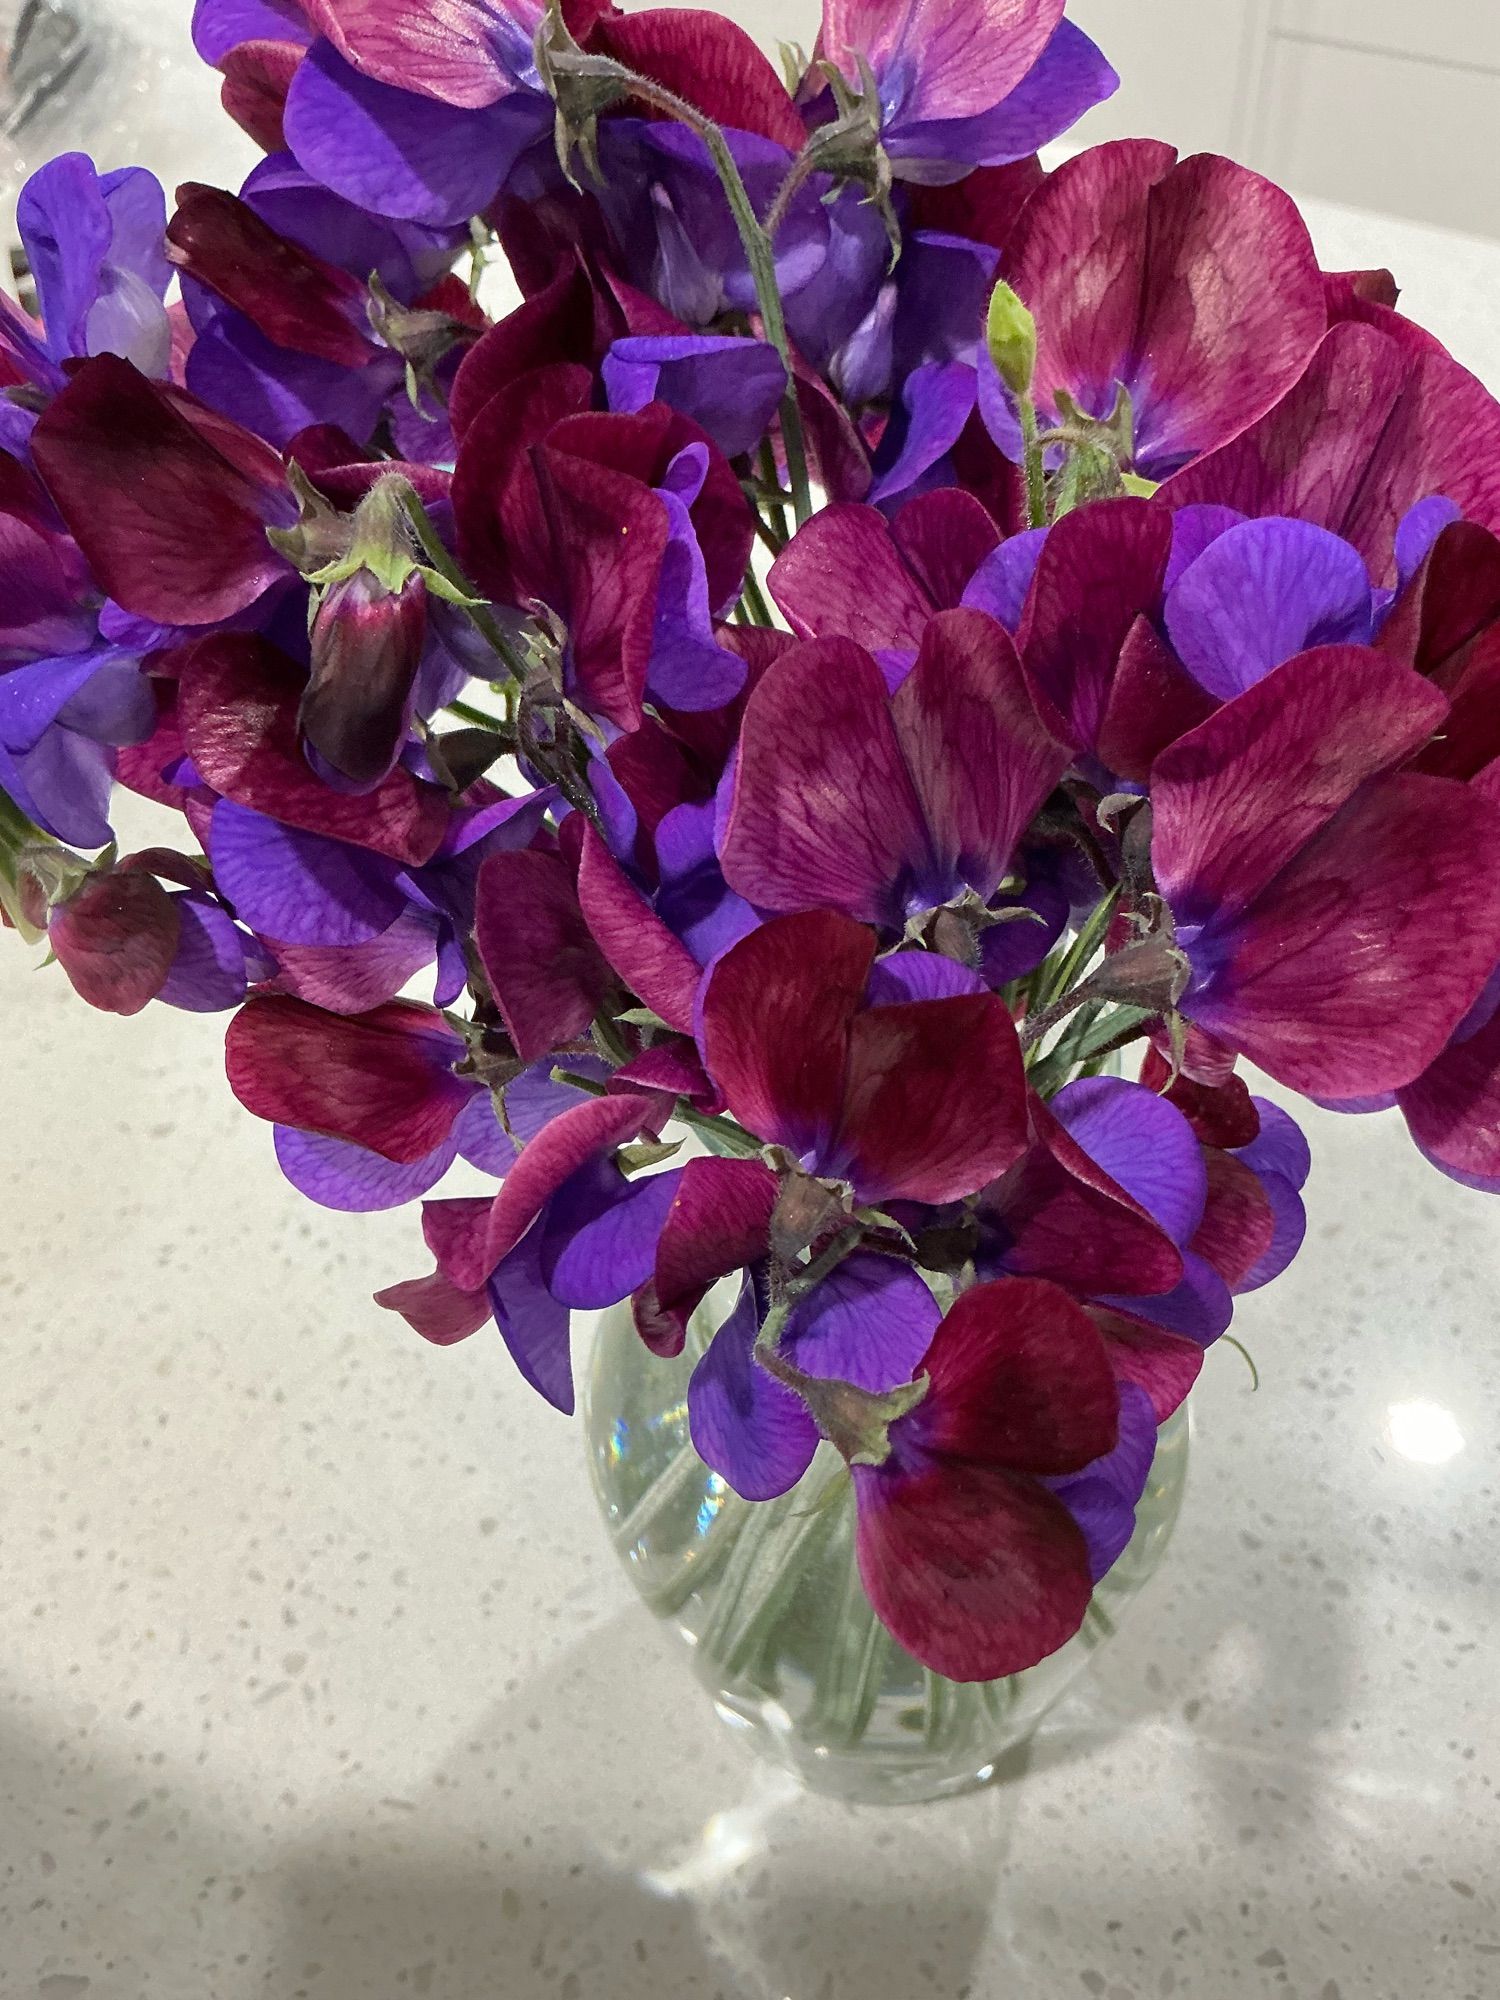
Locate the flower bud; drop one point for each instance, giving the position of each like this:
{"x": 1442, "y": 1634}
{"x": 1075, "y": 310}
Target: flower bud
{"x": 1010, "y": 335}
{"x": 367, "y": 640}
{"x": 116, "y": 937}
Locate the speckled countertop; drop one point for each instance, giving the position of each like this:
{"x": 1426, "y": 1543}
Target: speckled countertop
{"x": 318, "y": 1680}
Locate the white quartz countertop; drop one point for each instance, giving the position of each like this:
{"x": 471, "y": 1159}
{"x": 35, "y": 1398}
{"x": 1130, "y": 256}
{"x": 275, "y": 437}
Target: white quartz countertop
{"x": 318, "y": 1680}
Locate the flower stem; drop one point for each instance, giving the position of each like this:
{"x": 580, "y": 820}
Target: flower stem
{"x": 1036, "y": 469}
{"x": 762, "y": 261}
{"x": 478, "y": 613}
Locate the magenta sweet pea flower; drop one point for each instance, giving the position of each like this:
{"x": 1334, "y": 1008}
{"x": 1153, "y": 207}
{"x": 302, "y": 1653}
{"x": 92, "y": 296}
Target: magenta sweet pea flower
{"x": 1312, "y": 882}
{"x": 1192, "y": 286}
{"x": 920, "y": 1100}
{"x": 963, "y": 86}
{"x": 882, "y": 805}
{"x": 1372, "y": 428}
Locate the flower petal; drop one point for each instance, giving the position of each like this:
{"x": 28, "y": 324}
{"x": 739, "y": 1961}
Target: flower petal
{"x": 544, "y": 969}
{"x": 753, "y": 1431}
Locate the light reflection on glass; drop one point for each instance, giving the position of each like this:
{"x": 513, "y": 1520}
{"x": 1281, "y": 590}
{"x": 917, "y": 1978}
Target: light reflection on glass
{"x": 1424, "y": 1432}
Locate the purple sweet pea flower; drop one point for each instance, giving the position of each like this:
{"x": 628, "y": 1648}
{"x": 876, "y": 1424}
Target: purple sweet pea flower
{"x": 955, "y": 92}
{"x": 293, "y": 887}
{"x": 729, "y": 386}
{"x": 367, "y": 1109}
{"x": 96, "y": 247}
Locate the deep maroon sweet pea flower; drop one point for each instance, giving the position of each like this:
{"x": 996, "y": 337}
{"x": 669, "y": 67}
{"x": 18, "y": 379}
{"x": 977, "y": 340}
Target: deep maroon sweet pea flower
{"x": 956, "y": 91}
{"x": 368, "y": 1111}
{"x": 1370, "y": 429}
{"x": 884, "y": 806}
{"x": 852, "y": 573}
{"x": 1198, "y": 295}
{"x": 168, "y": 501}
{"x": 1312, "y": 883}
{"x": 921, "y": 1101}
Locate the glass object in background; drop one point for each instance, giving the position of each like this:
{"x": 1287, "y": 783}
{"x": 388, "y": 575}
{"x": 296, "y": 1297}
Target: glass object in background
{"x": 116, "y": 79}
{"x": 768, "y": 1598}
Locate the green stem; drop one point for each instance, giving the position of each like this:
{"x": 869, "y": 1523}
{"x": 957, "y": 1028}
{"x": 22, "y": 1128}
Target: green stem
{"x": 1078, "y": 954}
{"x": 1035, "y": 463}
{"x": 479, "y": 615}
{"x": 755, "y": 598}
{"x": 787, "y": 193}
{"x": 762, "y": 261}
{"x": 466, "y": 712}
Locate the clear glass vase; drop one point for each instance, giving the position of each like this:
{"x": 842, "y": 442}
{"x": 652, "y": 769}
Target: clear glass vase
{"x": 768, "y": 1602}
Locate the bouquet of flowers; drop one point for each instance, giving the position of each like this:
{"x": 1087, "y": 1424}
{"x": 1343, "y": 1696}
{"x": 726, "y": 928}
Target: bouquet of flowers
{"x": 736, "y": 747}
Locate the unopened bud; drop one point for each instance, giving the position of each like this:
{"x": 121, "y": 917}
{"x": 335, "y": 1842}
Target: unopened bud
{"x": 1010, "y": 335}
{"x": 367, "y": 641}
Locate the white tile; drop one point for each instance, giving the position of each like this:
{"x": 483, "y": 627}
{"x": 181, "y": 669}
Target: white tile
{"x": 1449, "y": 31}
{"x": 1382, "y": 132}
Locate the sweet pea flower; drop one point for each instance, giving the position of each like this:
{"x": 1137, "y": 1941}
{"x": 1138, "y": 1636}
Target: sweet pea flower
{"x": 1372, "y": 428}
{"x": 965, "y": 86}
{"x": 368, "y": 1111}
{"x": 971, "y": 1562}
{"x": 916, "y": 1100}
{"x": 883, "y": 805}
{"x": 1198, "y": 301}
{"x": 68, "y": 698}
{"x": 1312, "y": 882}
{"x": 95, "y": 247}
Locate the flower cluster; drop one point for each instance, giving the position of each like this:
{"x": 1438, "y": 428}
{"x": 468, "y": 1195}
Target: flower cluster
{"x": 732, "y": 748}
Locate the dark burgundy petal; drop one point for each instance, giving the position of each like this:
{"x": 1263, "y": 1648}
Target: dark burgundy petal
{"x": 436, "y": 1308}
{"x": 842, "y": 576}
{"x": 1348, "y": 975}
{"x": 943, "y": 537}
{"x": 1018, "y": 1377}
{"x": 1060, "y": 1216}
{"x": 776, "y": 1024}
{"x": 163, "y": 505}
{"x": 980, "y": 759}
{"x": 1238, "y": 1221}
{"x": 544, "y": 969}
{"x": 1453, "y": 1108}
{"x": 1235, "y": 799}
{"x": 1101, "y": 568}
{"x": 496, "y": 526}
{"x": 653, "y": 963}
{"x": 238, "y": 699}
{"x": 383, "y": 1080}
{"x": 257, "y": 77}
{"x": 116, "y": 938}
{"x": 935, "y": 1104}
{"x": 1220, "y": 1114}
{"x": 557, "y": 1152}
{"x": 293, "y": 297}
{"x": 824, "y": 811}
{"x": 709, "y": 61}
{"x": 720, "y": 1219}
{"x": 1152, "y": 701}
{"x": 555, "y": 325}
{"x": 976, "y": 1572}
{"x": 1165, "y": 1365}
{"x": 1369, "y": 430}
